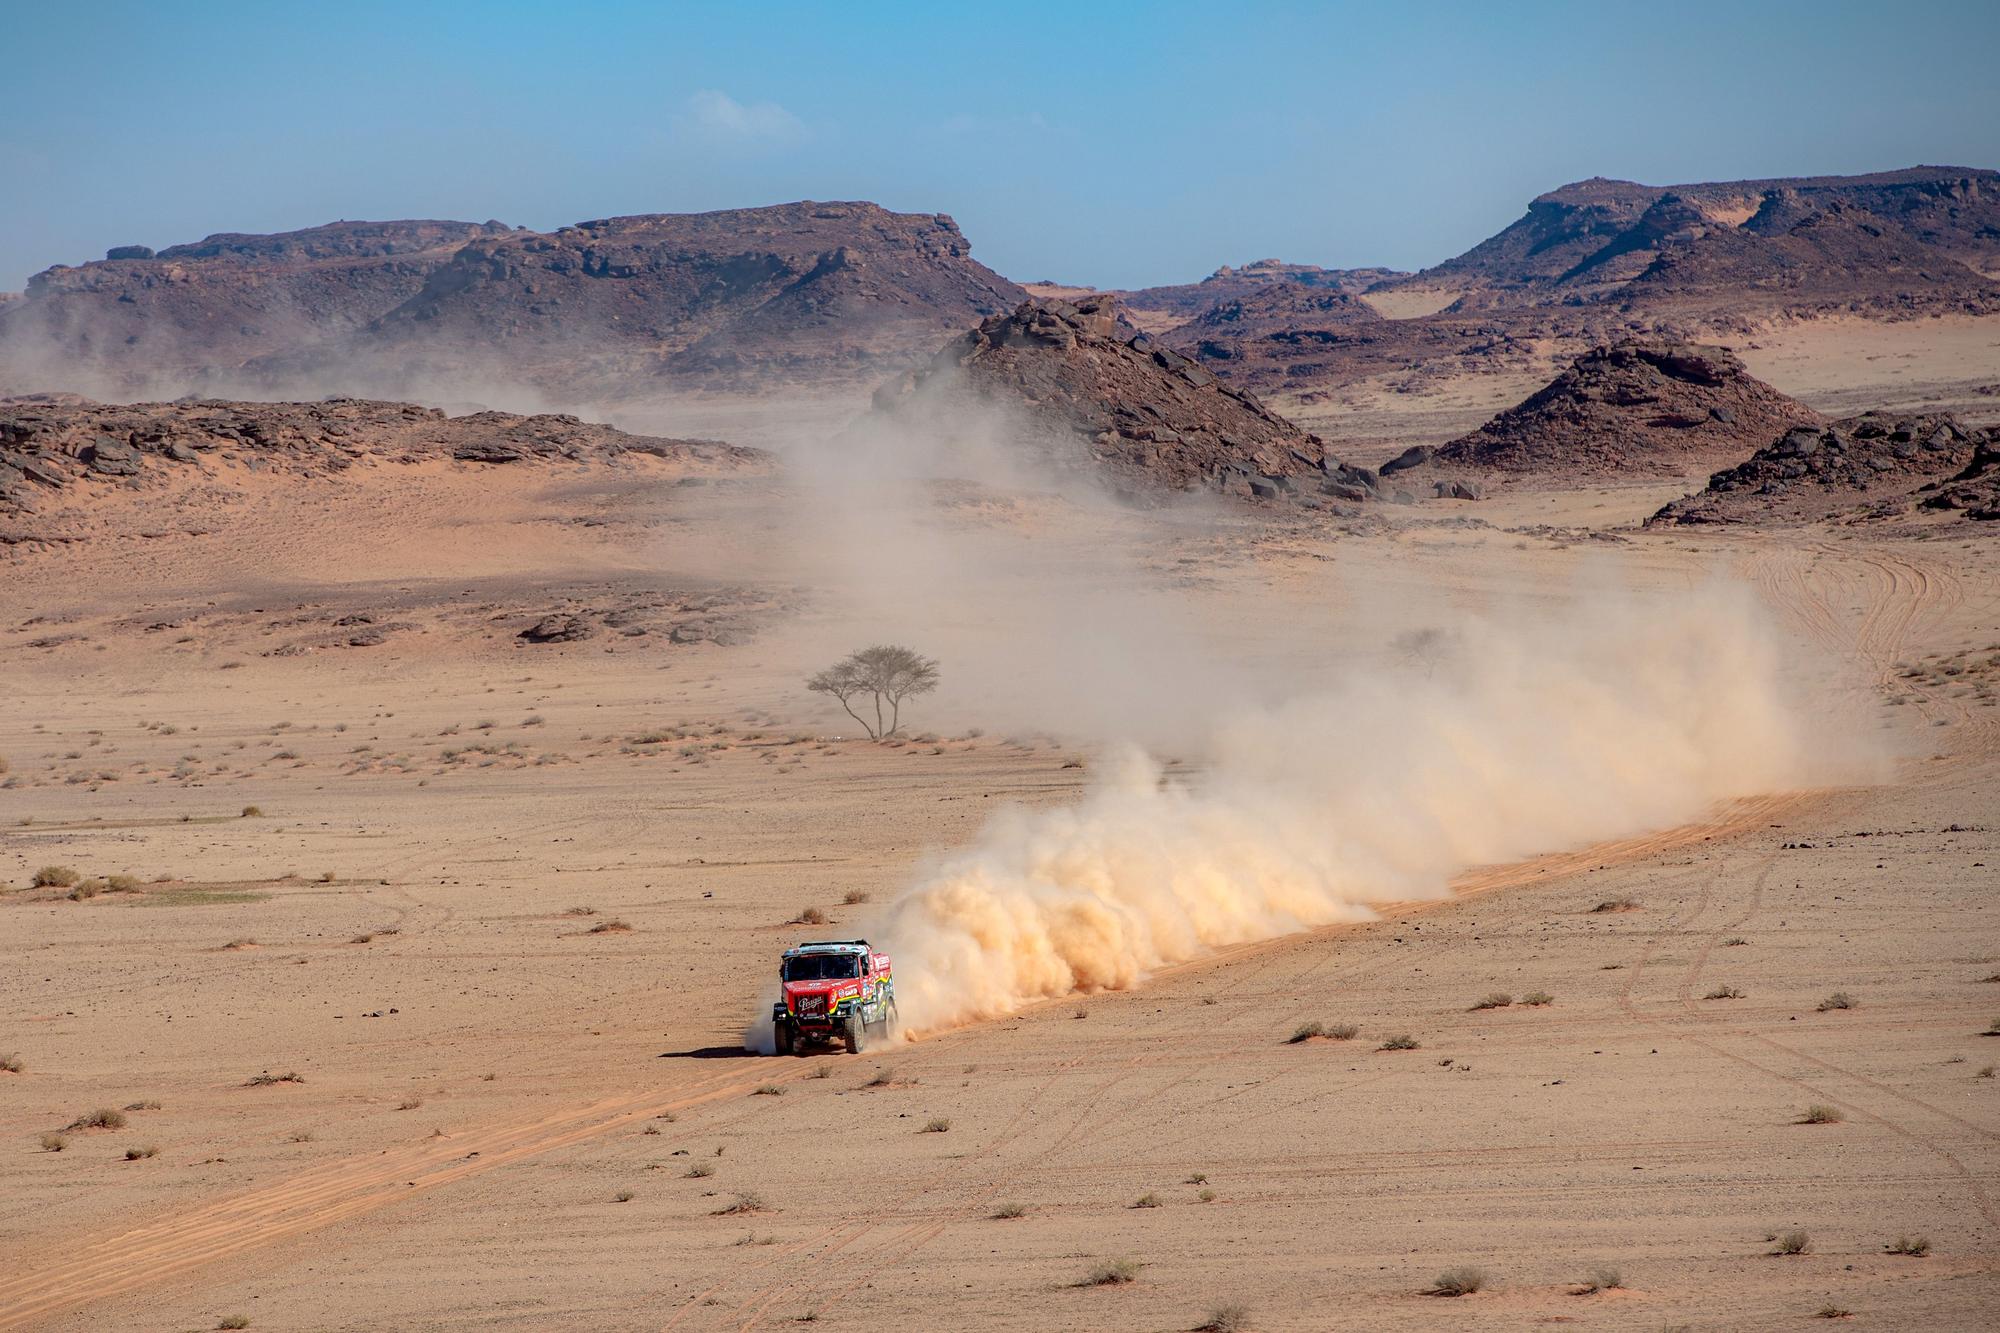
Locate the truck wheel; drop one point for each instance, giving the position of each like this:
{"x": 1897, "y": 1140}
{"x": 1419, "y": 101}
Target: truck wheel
{"x": 852, "y": 1032}
{"x": 785, "y": 1039}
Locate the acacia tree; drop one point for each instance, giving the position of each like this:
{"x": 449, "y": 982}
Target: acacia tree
{"x": 887, "y": 674}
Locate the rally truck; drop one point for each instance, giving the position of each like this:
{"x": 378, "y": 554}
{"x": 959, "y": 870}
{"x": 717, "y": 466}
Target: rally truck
{"x": 834, "y": 991}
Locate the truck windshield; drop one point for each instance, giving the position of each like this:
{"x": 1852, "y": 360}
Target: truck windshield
{"x": 822, "y": 967}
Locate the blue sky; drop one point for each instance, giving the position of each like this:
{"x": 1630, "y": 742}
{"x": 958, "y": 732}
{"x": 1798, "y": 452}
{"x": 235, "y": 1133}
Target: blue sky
{"x": 1108, "y": 143}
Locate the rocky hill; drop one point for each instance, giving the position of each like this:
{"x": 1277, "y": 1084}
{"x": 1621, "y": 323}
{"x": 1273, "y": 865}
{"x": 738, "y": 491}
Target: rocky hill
{"x": 807, "y": 293}
{"x": 1870, "y": 464}
{"x": 1639, "y": 408}
{"x": 1261, "y": 336}
{"x": 1070, "y": 382}
{"x": 1952, "y": 210}
{"x": 55, "y": 447}
{"x": 140, "y": 321}
{"x": 1166, "y": 309}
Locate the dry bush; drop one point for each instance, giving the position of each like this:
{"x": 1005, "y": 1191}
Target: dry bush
{"x": 1733, "y": 941}
{"x": 700, "y": 1171}
{"x": 409, "y": 1103}
{"x": 767, "y": 1090}
{"x": 854, "y": 898}
{"x": 241, "y": 942}
{"x": 1457, "y": 1282}
{"x": 1600, "y": 1279}
{"x": 54, "y": 1142}
{"x": 1535, "y": 999}
{"x": 266, "y": 1079}
{"x": 1840, "y": 999}
{"x": 122, "y": 883}
{"x": 1914, "y": 1246}
{"x": 56, "y": 877}
{"x": 1832, "y": 1311}
{"x": 1497, "y": 1000}
{"x": 1206, "y": 1196}
{"x": 235, "y": 1321}
{"x": 811, "y": 916}
{"x": 1112, "y": 1273}
{"x": 1791, "y": 1242}
{"x": 1198, "y": 1178}
{"x": 102, "y": 1118}
{"x": 1724, "y": 993}
{"x": 86, "y": 890}
{"x": 140, "y": 1154}
{"x": 623, "y": 1196}
{"x": 744, "y": 1203}
{"x": 1146, "y": 1201}
{"x": 1821, "y": 1114}
{"x": 937, "y": 1125}
{"x": 1008, "y": 1211}
{"x": 300, "y": 1136}
{"x": 253, "y": 812}
{"x": 1617, "y": 905}
{"x": 1225, "y": 1319}
{"x": 1307, "y": 1031}
{"x": 147, "y": 1105}
{"x": 1403, "y": 1043}
{"x": 581, "y": 911}
{"x": 821, "y": 1070}
{"x": 609, "y": 928}
{"x": 10, "y": 1063}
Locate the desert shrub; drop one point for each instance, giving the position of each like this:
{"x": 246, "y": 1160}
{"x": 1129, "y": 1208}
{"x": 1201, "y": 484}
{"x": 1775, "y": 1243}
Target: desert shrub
{"x": 610, "y": 928}
{"x": 147, "y": 1105}
{"x": 54, "y": 1142}
{"x": 768, "y": 1090}
{"x": 141, "y": 1154}
{"x": 1403, "y": 1043}
{"x": 56, "y": 877}
{"x": 744, "y": 1203}
{"x": 1733, "y": 941}
{"x": 86, "y": 890}
{"x": 1206, "y": 1196}
{"x": 1840, "y": 999}
{"x": 1724, "y": 993}
{"x": 1821, "y": 1114}
{"x": 102, "y": 1118}
{"x": 409, "y": 1103}
{"x": 1791, "y": 1242}
{"x": 253, "y": 812}
{"x": 1008, "y": 1211}
{"x": 700, "y": 1171}
{"x": 122, "y": 883}
{"x": 241, "y": 942}
{"x": 1148, "y": 1200}
{"x": 1461, "y": 1281}
{"x": 1225, "y": 1319}
{"x": 1601, "y": 1279}
{"x": 1535, "y": 999}
{"x": 266, "y": 1079}
{"x": 1198, "y": 1178}
{"x": 1914, "y": 1246}
{"x": 1307, "y": 1031}
{"x": 1112, "y": 1273}
{"x": 581, "y": 911}
{"x": 1616, "y": 905}
{"x": 1496, "y": 1000}
{"x": 939, "y": 1125}
{"x": 822, "y": 1070}
{"x": 811, "y": 916}
{"x": 10, "y": 1063}
{"x": 623, "y": 1196}
{"x": 1832, "y": 1311}
{"x": 1993, "y": 1028}
{"x": 854, "y": 897}
{"x": 235, "y": 1321}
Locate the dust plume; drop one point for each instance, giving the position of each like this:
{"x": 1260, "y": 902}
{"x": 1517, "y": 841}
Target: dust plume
{"x": 1612, "y": 715}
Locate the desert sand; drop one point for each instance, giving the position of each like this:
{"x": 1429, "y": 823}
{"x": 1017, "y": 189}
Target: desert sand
{"x": 448, "y": 1033}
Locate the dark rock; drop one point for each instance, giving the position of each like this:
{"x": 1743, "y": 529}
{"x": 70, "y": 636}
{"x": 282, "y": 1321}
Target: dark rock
{"x": 1414, "y": 456}
{"x": 559, "y": 629}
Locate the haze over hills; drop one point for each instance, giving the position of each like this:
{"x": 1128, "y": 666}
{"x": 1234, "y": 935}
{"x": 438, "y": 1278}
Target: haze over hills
{"x": 843, "y": 295}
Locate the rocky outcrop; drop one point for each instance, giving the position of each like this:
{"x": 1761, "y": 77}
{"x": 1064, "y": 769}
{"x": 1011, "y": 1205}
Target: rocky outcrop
{"x": 53, "y": 443}
{"x": 806, "y": 293}
{"x": 1870, "y": 464}
{"x": 1639, "y": 408}
{"x": 1260, "y": 338}
{"x": 1975, "y": 491}
{"x": 142, "y": 321}
{"x": 1085, "y": 392}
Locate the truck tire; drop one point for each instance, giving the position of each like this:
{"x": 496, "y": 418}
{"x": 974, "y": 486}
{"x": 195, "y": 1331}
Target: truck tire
{"x": 852, "y": 1031}
{"x": 785, "y": 1039}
